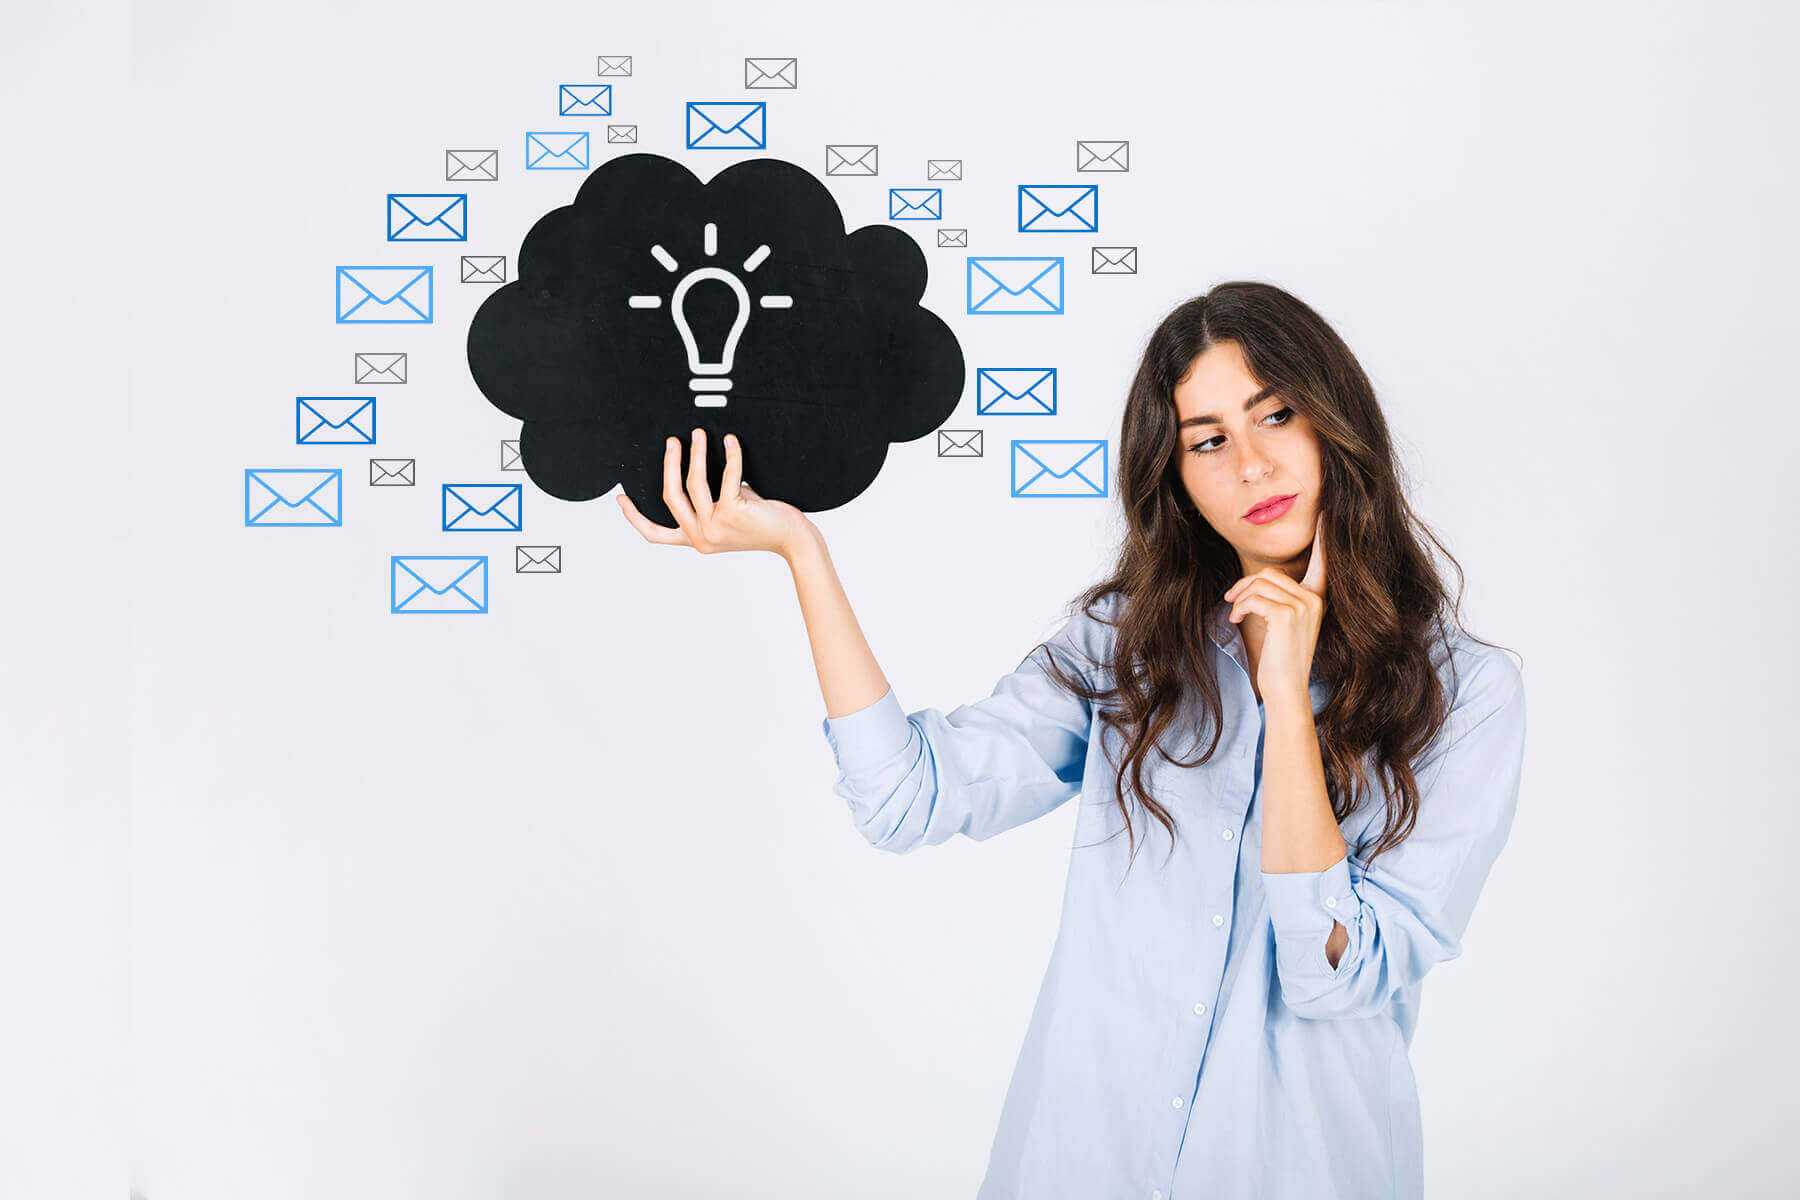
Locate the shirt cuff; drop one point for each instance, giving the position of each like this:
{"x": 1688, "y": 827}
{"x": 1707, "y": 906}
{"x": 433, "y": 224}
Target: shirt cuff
{"x": 870, "y": 735}
{"x": 1303, "y": 903}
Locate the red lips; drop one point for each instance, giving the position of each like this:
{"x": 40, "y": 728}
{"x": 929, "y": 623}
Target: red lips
{"x": 1269, "y": 501}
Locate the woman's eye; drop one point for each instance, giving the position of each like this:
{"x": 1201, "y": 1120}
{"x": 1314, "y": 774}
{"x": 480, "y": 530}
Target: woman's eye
{"x": 1286, "y": 415}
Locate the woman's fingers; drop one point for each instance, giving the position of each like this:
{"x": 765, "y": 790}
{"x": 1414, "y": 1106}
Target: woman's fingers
{"x": 674, "y": 497}
{"x": 1285, "y": 585}
{"x": 734, "y": 469}
{"x": 698, "y": 490}
{"x": 1316, "y": 570}
{"x": 1277, "y": 584}
{"x": 1263, "y": 597}
{"x": 665, "y": 535}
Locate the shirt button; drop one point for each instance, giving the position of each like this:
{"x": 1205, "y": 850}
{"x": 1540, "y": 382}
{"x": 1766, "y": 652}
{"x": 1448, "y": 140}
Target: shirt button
{"x": 1331, "y": 902}
{"x": 1218, "y": 919}
{"x": 1199, "y": 1010}
{"x": 1176, "y": 1102}
{"x": 1155, "y": 1196}
{"x": 1226, "y": 834}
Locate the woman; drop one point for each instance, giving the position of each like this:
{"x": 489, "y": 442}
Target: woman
{"x": 1233, "y": 1021}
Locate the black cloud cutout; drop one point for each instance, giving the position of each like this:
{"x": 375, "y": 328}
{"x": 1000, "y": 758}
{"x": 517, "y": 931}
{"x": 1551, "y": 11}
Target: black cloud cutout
{"x": 818, "y": 390}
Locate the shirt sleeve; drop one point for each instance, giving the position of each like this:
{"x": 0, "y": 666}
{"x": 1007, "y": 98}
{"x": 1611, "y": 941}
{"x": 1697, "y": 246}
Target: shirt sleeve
{"x": 916, "y": 779}
{"x": 1408, "y": 910}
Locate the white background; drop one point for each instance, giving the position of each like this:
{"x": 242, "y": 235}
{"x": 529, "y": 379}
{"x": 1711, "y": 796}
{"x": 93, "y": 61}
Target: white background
{"x": 558, "y": 902}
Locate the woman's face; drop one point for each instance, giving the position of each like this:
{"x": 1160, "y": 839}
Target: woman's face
{"x": 1233, "y": 457}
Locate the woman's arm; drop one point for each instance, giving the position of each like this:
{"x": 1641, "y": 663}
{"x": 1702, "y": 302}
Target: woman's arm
{"x": 910, "y": 779}
{"x": 1300, "y": 833}
{"x": 739, "y": 519}
{"x": 1351, "y": 935}
{"x": 849, "y": 677}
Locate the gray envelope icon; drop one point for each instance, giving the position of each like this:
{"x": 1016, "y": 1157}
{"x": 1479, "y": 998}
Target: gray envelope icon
{"x": 538, "y": 560}
{"x": 852, "y": 159}
{"x": 392, "y": 472}
{"x": 465, "y": 165}
{"x": 509, "y": 456}
{"x": 959, "y": 443}
{"x": 1102, "y": 156}
{"x": 484, "y": 268}
{"x": 1115, "y": 260}
{"x": 614, "y": 65}
{"x": 953, "y": 237}
{"x": 943, "y": 168}
{"x": 621, "y": 135}
{"x": 771, "y": 72}
{"x": 380, "y": 368}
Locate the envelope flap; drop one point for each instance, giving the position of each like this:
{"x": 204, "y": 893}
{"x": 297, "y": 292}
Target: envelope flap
{"x": 385, "y": 284}
{"x": 482, "y": 498}
{"x": 1017, "y": 383}
{"x": 470, "y": 160}
{"x": 559, "y": 143}
{"x": 1016, "y": 275}
{"x": 1059, "y": 198}
{"x": 294, "y": 488}
{"x": 1060, "y": 458}
{"x": 539, "y": 555}
{"x": 392, "y": 466}
{"x": 381, "y": 362}
{"x": 715, "y": 114}
{"x": 852, "y": 155}
{"x": 1103, "y": 149}
{"x": 961, "y": 437}
{"x": 439, "y": 574}
{"x": 337, "y": 411}
{"x": 428, "y": 209}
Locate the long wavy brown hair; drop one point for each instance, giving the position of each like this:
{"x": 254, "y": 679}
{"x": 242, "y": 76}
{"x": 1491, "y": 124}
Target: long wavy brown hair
{"x": 1385, "y": 602}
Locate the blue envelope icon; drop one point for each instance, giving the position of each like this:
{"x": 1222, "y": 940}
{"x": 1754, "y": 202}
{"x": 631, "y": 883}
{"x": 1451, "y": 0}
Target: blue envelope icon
{"x": 1059, "y": 208}
{"x": 585, "y": 100}
{"x": 484, "y": 507}
{"x": 915, "y": 204}
{"x": 564, "y": 150}
{"x": 1015, "y": 391}
{"x": 384, "y": 295}
{"x": 438, "y": 583}
{"x": 429, "y": 217}
{"x": 334, "y": 420}
{"x": 1015, "y": 285}
{"x": 727, "y": 125}
{"x": 1059, "y": 467}
{"x": 290, "y": 497}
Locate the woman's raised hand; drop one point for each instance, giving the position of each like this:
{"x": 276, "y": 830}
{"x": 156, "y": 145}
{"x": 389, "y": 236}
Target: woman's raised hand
{"x": 738, "y": 520}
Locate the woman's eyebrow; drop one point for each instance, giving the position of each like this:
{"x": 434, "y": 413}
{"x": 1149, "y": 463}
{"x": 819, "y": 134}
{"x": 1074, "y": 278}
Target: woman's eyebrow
{"x": 1213, "y": 418}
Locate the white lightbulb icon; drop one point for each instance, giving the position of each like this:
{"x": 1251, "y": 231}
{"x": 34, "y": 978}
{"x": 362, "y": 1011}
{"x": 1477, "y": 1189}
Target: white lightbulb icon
{"x": 712, "y": 377}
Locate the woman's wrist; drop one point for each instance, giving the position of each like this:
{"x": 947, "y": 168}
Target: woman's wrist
{"x": 806, "y": 542}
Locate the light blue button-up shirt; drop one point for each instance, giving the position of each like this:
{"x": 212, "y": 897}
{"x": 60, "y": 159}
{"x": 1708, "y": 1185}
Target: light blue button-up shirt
{"x": 1191, "y": 1039}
